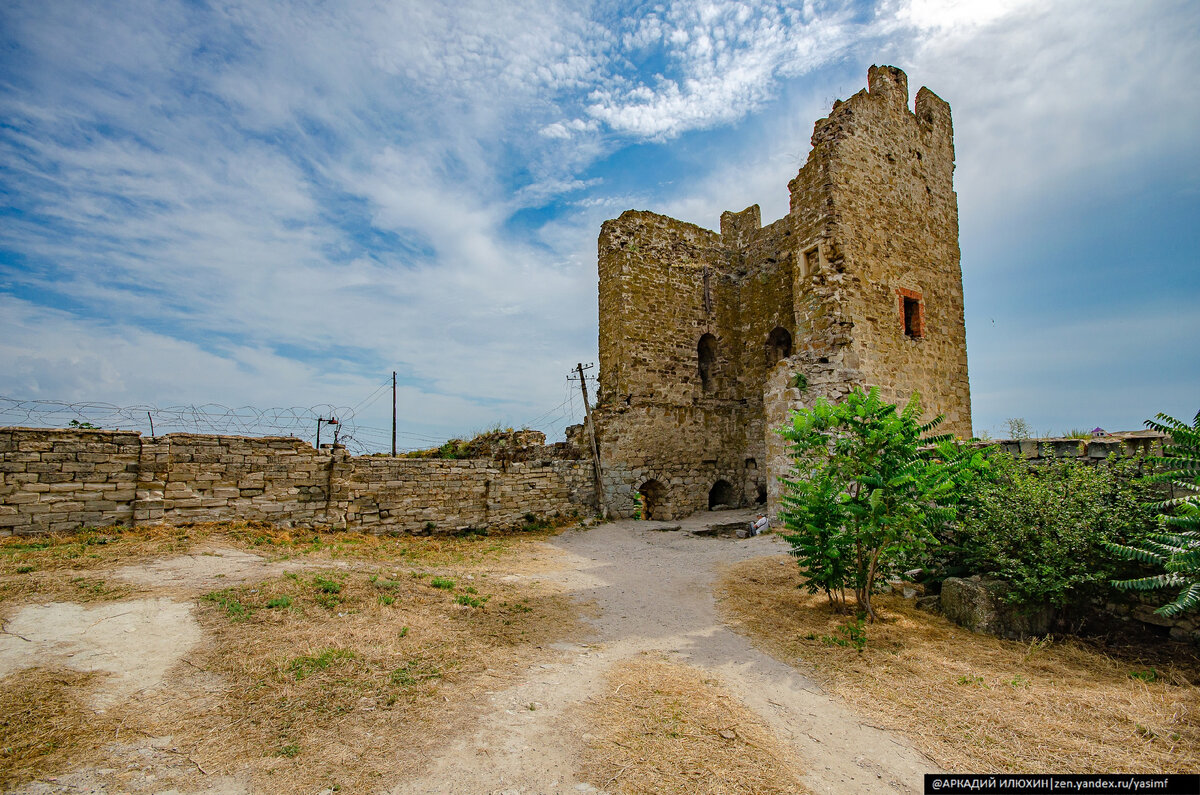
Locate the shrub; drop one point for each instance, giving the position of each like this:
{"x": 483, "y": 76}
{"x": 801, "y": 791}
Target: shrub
{"x": 867, "y": 491}
{"x": 1045, "y": 528}
{"x": 1176, "y": 550}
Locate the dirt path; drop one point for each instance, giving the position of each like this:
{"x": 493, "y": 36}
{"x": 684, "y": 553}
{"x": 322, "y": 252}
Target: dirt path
{"x": 653, "y": 591}
{"x": 650, "y": 591}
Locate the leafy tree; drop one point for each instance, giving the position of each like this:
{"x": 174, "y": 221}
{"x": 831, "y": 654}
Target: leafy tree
{"x": 867, "y": 491}
{"x": 1176, "y": 550}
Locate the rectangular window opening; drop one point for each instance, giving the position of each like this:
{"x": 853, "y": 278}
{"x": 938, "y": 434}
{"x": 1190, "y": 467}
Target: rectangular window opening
{"x": 912, "y": 317}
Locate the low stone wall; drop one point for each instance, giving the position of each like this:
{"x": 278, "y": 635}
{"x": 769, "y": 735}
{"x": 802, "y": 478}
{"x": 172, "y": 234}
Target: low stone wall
{"x": 62, "y": 480}
{"x": 978, "y": 604}
{"x": 1093, "y": 450}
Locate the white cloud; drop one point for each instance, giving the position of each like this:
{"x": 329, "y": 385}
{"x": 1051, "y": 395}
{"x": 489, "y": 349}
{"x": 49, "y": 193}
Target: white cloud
{"x": 726, "y": 59}
{"x": 208, "y": 189}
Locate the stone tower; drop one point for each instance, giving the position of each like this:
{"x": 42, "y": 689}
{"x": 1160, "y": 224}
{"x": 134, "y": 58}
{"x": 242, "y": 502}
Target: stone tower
{"x": 858, "y": 285}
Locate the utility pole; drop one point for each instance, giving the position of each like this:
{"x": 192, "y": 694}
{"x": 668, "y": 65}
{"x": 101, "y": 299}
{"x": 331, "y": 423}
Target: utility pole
{"x": 393, "y": 413}
{"x": 600, "y": 502}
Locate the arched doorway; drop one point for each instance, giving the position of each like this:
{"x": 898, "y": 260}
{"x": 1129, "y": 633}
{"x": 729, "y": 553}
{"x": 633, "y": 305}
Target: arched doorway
{"x": 721, "y": 495}
{"x": 779, "y": 345}
{"x": 654, "y": 498}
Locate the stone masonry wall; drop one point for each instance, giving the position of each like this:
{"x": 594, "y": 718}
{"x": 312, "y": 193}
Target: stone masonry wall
{"x": 62, "y": 480}
{"x": 873, "y": 219}
{"x": 893, "y": 191}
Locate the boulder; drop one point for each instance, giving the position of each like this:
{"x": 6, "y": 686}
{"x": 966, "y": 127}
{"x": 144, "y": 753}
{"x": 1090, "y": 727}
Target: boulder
{"x": 979, "y": 605}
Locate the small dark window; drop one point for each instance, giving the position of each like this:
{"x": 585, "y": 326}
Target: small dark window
{"x": 912, "y": 317}
{"x": 706, "y": 353}
{"x": 912, "y": 313}
{"x": 779, "y": 345}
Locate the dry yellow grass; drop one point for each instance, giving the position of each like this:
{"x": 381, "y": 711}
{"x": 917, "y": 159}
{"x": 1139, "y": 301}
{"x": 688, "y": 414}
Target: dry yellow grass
{"x": 31, "y": 567}
{"x": 44, "y": 722}
{"x": 352, "y": 688}
{"x": 661, "y": 727}
{"x": 974, "y": 702}
{"x": 342, "y": 675}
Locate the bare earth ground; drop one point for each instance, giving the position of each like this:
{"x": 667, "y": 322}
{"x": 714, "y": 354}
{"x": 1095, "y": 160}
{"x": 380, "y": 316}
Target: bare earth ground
{"x": 654, "y": 594}
{"x": 655, "y": 678}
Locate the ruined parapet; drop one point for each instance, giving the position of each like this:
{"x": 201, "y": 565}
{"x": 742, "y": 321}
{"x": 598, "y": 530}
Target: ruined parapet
{"x": 737, "y": 229}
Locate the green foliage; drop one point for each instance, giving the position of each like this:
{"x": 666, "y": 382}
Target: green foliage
{"x": 83, "y": 426}
{"x": 233, "y": 608}
{"x": 1176, "y": 548}
{"x": 288, "y": 751}
{"x": 326, "y": 585}
{"x": 445, "y": 583}
{"x": 852, "y": 633}
{"x": 279, "y": 601}
{"x": 867, "y": 491}
{"x": 413, "y": 672}
{"x": 1018, "y": 428}
{"x": 1045, "y": 529}
{"x": 1145, "y": 676}
{"x": 302, "y": 667}
{"x": 799, "y": 382}
{"x": 471, "y": 601}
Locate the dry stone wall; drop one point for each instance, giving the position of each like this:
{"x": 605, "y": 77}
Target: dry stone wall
{"x": 62, "y": 480}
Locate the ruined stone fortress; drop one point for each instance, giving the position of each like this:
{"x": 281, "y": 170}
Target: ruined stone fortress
{"x": 701, "y": 335}
{"x": 859, "y": 284}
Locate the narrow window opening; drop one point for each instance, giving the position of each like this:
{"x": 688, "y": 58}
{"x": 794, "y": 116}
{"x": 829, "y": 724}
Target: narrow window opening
{"x": 912, "y": 313}
{"x": 779, "y": 345}
{"x": 706, "y": 354}
{"x": 912, "y": 317}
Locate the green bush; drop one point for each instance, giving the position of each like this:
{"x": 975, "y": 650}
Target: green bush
{"x": 1177, "y": 547}
{"x": 1045, "y": 528}
{"x": 867, "y": 491}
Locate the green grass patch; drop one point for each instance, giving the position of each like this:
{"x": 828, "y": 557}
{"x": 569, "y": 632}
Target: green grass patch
{"x": 279, "y": 602}
{"x": 470, "y": 601}
{"x": 302, "y": 667}
{"x": 230, "y": 604}
{"x": 327, "y": 585}
{"x": 414, "y": 671}
{"x": 445, "y": 583}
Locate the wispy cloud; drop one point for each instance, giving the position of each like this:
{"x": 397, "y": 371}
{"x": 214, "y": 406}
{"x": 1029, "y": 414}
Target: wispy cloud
{"x": 253, "y": 202}
{"x": 716, "y": 61}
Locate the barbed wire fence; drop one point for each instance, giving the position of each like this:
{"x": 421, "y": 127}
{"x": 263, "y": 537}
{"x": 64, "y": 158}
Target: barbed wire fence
{"x": 216, "y": 418}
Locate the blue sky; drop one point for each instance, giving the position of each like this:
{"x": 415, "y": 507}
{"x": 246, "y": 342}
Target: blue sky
{"x": 278, "y": 204}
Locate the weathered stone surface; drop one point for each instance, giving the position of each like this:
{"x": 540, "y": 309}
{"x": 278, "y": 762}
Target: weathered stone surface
{"x": 192, "y": 477}
{"x": 701, "y": 332}
{"x": 979, "y": 605}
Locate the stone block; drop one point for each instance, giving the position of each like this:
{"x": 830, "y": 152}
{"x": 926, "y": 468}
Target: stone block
{"x": 979, "y": 605}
